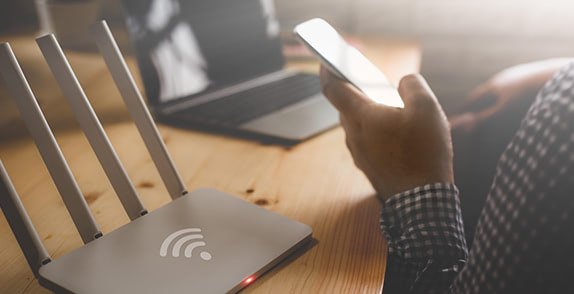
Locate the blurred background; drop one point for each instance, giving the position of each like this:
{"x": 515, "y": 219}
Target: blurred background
{"x": 463, "y": 42}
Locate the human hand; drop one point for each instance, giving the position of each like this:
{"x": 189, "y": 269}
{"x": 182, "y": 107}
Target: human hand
{"x": 503, "y": 91}
{"x": 397, "y": 149}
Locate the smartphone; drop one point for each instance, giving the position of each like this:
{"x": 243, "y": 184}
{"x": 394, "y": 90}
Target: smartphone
{"x": 347, "y": 62}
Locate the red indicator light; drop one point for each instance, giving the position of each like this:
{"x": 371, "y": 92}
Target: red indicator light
{"x": 249, "y": 280}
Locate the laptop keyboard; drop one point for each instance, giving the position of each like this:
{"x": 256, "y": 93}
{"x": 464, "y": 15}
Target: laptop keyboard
{"x": 256, "y": 102}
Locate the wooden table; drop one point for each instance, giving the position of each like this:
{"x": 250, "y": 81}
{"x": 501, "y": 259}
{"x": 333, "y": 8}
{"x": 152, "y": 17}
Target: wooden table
{"x": 314, "y": 182}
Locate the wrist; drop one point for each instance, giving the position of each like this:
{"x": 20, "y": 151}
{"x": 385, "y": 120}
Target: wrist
{"x": 435, "y": 167}
{"x": 387, "y": 190}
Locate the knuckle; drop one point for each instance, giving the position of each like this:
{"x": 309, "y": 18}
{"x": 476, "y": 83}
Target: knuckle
{"x": 351, "y": 148}
{"x": 326, "y": 88}
{"x": 348, "y": 142}
{"x": 356, "y": 162}
{"x": 344, "y": 121}
{"x": 360, "y": 122}
{"x": 350, "y": 121}
{"x": 354, "y": 123}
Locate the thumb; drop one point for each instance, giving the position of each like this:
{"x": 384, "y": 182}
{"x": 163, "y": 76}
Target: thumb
{"x": 344, "y": 96}
{"x": 416, "y": 92}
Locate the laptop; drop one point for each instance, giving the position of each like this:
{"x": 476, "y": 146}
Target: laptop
{"x": 217, "y": 65}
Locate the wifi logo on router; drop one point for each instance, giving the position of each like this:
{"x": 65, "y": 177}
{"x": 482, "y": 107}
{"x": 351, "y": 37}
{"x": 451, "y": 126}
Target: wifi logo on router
{"x": 184, "y": 236}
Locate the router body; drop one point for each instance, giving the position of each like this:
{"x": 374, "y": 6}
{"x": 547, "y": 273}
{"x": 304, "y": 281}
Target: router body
{"x": 242, "y": 241}
{"x": 205, "y": 241}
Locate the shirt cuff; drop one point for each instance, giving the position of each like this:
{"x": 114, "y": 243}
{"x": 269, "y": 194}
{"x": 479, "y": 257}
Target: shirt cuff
{"x": 424, "y": 223}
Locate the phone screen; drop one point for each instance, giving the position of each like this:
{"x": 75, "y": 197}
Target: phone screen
{"x": 347, "y": 62}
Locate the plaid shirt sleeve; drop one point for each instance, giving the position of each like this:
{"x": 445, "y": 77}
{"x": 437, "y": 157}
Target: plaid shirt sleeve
{"x": 425, "y": 236}
{"x": 523, "y": 241}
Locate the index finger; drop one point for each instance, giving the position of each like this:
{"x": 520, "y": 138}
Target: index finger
{"x": 344, "y": 96}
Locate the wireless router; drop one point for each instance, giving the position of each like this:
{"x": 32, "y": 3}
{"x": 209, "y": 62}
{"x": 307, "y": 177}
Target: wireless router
{"x": 204, "y": 241}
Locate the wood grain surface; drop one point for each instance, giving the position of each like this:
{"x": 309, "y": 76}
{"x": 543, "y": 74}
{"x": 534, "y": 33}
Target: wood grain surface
{"x": 314, "y": 182}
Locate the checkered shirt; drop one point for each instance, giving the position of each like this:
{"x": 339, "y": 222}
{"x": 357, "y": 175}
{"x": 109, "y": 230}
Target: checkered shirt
{"x": 524, "y": 241}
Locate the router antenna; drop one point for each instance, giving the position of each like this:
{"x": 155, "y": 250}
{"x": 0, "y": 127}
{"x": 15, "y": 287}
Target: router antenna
{"x": 138, "y": 109}
{"x": 91, "y": 125}
{"x": 47, "y": 145}
{"x": 21, "y": 225}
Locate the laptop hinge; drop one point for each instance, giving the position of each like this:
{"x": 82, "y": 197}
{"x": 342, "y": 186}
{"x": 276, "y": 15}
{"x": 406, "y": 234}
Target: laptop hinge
{"x": 218, "y": 94}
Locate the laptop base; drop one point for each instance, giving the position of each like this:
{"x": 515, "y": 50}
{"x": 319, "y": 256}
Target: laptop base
{"x": 288, "y": 126}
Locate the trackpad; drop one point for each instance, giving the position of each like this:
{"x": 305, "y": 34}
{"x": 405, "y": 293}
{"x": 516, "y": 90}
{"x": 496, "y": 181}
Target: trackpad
{"x": 298, "y": 121}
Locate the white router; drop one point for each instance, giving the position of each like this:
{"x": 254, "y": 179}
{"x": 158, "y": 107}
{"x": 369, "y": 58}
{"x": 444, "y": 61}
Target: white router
{"x": 205, "y": 241}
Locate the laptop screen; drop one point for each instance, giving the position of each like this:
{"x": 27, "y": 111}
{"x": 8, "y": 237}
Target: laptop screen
{"x": 188, "y": 47}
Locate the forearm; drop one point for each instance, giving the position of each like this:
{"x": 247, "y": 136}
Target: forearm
{"x": 536, "y": 74}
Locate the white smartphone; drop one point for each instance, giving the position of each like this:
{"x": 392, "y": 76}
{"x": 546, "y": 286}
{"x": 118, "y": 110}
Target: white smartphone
{"x": 347, "y": 62}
